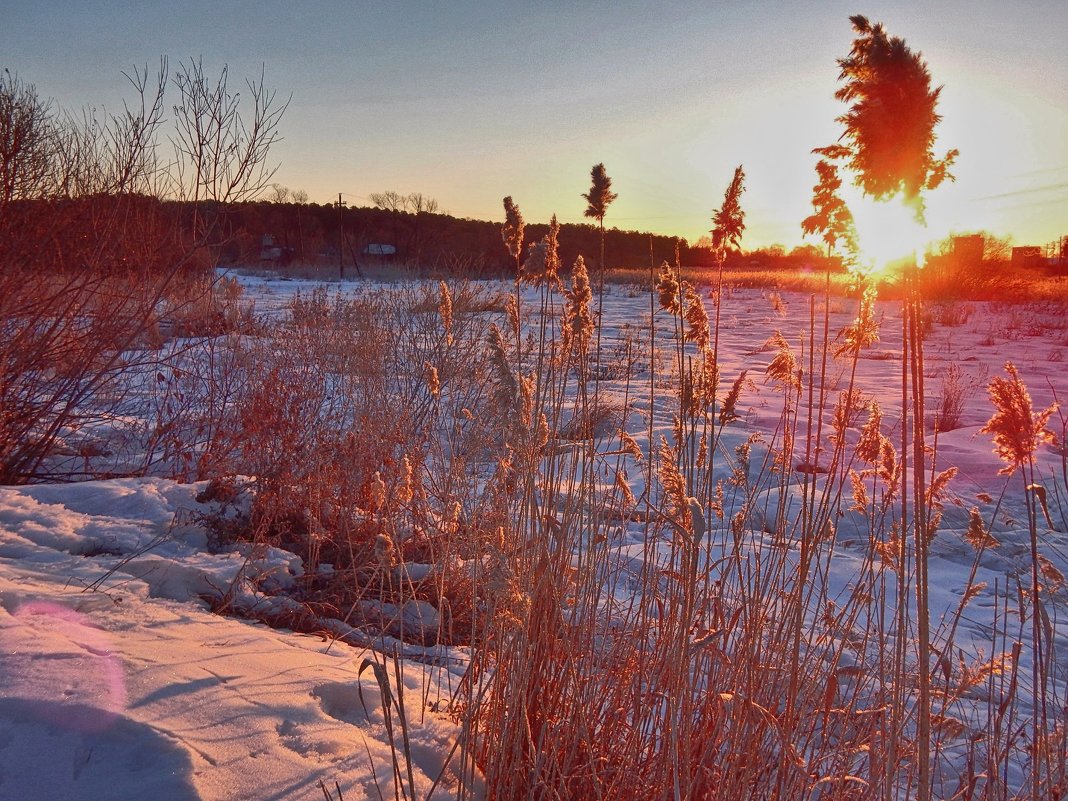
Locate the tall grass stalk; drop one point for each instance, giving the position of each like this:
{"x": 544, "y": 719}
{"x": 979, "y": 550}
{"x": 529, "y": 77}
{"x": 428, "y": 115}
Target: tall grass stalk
{"x": 922, "y": 532}
{"x": 651, "y": 607}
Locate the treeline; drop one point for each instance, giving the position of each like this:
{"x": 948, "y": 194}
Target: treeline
{"x": 100, "y": 193}
{"x": 138, "y": 233}
{"x": 106, "y": 234}
{"x": 310, "y": 233}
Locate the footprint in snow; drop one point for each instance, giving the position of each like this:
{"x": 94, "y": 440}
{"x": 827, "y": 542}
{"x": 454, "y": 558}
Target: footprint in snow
{"x": 358, "y": 702}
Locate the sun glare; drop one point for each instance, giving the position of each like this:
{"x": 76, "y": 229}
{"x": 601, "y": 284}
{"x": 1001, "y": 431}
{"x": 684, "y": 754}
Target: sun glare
{"x": 888, "y": 234}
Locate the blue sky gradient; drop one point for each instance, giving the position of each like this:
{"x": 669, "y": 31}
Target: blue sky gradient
{"x": 468, "y": 102}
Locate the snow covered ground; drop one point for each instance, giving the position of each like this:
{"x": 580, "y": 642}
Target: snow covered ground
{"x": 117, "y": 682}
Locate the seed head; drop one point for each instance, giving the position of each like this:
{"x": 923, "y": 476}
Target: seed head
{"x": 406, "y": 490}
{"x": 578, "y": 320}
{"x": 667, "y": 287}
{"x": 696, "y": 317}
{"x": 384, "y": 551}
{"x": 784, "y": 368}
{"x": 445, "y": 309}
{"x": 378, "y": 492}
{"x": 1016, "y": 429}
{"x": 978, "y": 535}
{"x": 433, "y": 383}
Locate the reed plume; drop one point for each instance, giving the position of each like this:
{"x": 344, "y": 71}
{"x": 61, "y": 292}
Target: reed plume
{"x": 1016, "y": 429}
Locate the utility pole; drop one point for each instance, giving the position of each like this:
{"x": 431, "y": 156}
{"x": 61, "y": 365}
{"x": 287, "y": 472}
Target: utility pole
{"x": 340, "y": 237}
{"x": 1057, "y": 251}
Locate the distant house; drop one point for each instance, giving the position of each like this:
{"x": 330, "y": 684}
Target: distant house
{"x": 1028, "y": 256}
{"x": 272, "y": 253}
{"x": 380, "y": 250}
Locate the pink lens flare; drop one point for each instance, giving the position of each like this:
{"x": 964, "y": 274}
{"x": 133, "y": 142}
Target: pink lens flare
{"x": 89, "y": 699}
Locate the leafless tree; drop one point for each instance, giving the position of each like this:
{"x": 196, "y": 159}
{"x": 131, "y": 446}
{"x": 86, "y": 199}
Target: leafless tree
{"x": 220, "y": 152}
{"x": 27, "y": 142}
{"x": 412, "y": 203}
{"x": 388, "y": 201}
{"x": 418, "y": 203}
{"x": 279, "y": 193}
{"x": 300, "y": 197}
{"x": 89, "y": 251}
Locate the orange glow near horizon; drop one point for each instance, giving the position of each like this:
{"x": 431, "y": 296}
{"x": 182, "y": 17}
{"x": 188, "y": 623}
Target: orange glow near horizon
{"x": 888, "y": 234}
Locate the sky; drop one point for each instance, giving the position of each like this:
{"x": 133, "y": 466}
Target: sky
{"x": 469, "y": 102}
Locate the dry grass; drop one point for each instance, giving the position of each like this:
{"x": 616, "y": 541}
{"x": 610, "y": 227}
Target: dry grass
{"x": 730, "y": 667}
{"x": 955, "y": 392}
{"x": 647, "y": 617}
{"x": 724, "y": 661}
{"x": 744, "y": 278}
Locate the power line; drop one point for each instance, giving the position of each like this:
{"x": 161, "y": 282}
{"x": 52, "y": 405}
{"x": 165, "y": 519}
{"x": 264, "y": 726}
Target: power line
{"x": 1034, "y": 190}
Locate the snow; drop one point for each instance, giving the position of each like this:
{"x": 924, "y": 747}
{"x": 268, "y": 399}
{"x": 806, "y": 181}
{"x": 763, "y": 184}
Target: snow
{"x": 117, "y": 681}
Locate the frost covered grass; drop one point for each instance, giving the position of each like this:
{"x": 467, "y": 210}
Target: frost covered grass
{"x": 694, "y": 562}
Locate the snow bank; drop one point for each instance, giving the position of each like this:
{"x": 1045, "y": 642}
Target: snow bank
{"x": 123, "y": 692}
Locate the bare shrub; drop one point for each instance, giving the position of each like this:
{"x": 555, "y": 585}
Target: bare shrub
{"x": 202, "y": 306}
{"x": 361, "y": 423}
{"x": 952, "y": 313}
{"x": 623, "y": 359}
{"x": 90, "y": 253}
{"x": 955, "y": 392}
{"x": 597, "y": 422}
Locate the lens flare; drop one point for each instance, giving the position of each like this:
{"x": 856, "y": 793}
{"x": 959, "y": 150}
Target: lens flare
{"x": 82, "y": 665}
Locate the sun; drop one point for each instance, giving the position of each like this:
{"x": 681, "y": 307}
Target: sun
{"x": 888, "y": 235}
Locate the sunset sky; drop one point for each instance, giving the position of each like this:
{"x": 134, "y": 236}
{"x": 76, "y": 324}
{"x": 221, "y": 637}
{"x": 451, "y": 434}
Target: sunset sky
{"x": 468, "y": 102}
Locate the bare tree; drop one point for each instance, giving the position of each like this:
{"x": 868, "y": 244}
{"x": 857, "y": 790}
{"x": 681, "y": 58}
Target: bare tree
{"x": 418, "y": 203}
{"x": 389, "y": 201}
{"x": 27, "y": 142}
{"x": 279, "y": 193}
{"x": 220, "y": 152}
{"x": 300, "y": 197}
{"x": 414, "y": 203}
{"x": 996, "y": 249}
{"x": 89, "y": 249}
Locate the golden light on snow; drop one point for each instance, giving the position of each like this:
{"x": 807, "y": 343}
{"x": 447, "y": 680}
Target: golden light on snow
{"x": 888, "y": 234}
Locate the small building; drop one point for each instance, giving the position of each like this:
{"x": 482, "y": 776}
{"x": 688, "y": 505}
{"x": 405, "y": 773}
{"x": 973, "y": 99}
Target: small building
{"x": 968, "y": 250}
{"x": 1028, "y": 256}
{"x": 380, "y": 250}
{"x": 273, "y": 253}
